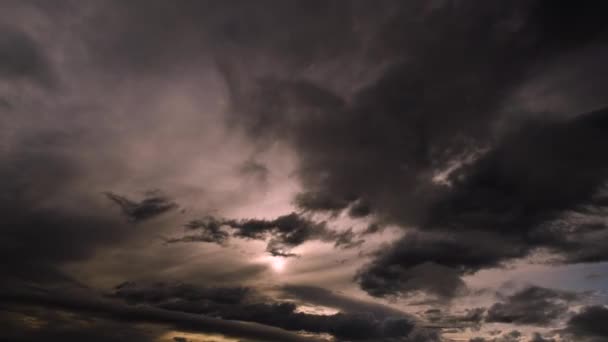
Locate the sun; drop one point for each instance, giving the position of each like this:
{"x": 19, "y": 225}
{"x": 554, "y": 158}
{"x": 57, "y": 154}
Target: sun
{"x": 277, "y": 263}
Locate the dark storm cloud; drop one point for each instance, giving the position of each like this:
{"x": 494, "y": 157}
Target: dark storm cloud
{"x": 532, "y": 177}
{"x": 415, "y": 117}
{"x": 532, "y": 306}
{"x": 443, "y": 100}
{"x": 359, "y": 320}
{"x": 88, "y": 304}
{"x": 51, "y": 325}
{"x": 590, "y": 324}
{"x": 380, "y": 280}
{"x": 285, "y": 232}
{"x": 515, "y": 199}
{"x": 421, "y": 262}
{"x": 154, "y": 204}
{"x": 161, "y": 292}
{"x": 22, "y": 58}
{"x": 46, "y": 221}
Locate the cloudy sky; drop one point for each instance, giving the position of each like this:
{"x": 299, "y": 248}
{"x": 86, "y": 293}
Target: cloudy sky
{"x": 282, "y": 170}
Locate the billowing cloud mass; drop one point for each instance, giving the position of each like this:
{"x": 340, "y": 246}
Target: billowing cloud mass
{"x": 379, "y": 171}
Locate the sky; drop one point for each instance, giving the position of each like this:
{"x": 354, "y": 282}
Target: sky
{"x": 303, "y": 170}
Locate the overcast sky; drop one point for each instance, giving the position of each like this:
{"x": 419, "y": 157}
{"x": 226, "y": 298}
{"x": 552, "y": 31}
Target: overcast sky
{"x": 282, "y": 170}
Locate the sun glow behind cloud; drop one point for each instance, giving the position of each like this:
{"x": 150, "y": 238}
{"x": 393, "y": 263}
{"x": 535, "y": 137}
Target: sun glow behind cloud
{"x": 276, "y": 263}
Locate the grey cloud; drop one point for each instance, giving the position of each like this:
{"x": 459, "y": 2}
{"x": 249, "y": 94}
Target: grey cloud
{"x": 47, "y": 222}
{"x": 162, "y": 292}
{"x": 87, "y": 303}
{"x": 154, "y": 204}
{"x": 359, "y": 321}
{"x": 22, "y": 58}
{"x": 53, "y": 325}
{"x": 284, "y": 232}
{"x": 426, "y": 277}
{"x": 532, "y": 306}
{"x": 513, "y": 201}
{"x": 589, "y": 325}
{"x": 209, "y": 229}
{"x": 429, "y": 263}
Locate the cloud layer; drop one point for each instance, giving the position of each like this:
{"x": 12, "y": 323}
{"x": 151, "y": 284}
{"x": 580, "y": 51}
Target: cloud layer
{"x": 329, "y": 171}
